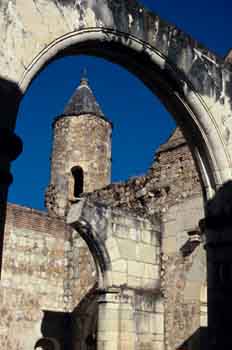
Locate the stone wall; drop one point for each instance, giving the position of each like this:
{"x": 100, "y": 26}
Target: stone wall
{"x": 38, "y": 291}
{"x": 83, "y": 141}
{"x": 129, "y": 297}
{"x": 34, "y": 253}
{"x": 170, "y": 180}
{"x": 157, "y": 273}
{"x": 183, "y": 274}
{"x": 171, "y": 191}
{"x": 33, "y": 276}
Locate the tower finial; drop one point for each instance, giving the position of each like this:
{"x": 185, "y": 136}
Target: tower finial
{"x": 84, "y": 78}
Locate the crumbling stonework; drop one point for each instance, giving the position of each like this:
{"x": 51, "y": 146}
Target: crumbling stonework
{"x": 130, "y": 267}
{"x": 195, "y": 85}
{"x": 128, "y": 261}
{"x": 33, "y": 275}
{"x": 228, "y": 58}
{"x": 171, "y": 179}
{"x": 171, "y": 191}
{"x": 37, "y": 287}
{"x": 191, "y": 81}
{"x": 64, "y": 280}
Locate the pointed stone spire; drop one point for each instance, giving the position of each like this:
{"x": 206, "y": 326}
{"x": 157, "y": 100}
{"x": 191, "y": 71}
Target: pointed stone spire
{"x": 83, "y": 100}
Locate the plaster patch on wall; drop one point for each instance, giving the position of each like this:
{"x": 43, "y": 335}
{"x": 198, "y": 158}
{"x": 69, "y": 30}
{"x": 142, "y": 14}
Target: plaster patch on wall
{"x": 35, "y": 24}
{"x": 227, "y": 126}
{"x": 97, "y": 9}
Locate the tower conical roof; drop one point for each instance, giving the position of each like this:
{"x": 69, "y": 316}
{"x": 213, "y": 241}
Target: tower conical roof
{"x": 83, "y": 101}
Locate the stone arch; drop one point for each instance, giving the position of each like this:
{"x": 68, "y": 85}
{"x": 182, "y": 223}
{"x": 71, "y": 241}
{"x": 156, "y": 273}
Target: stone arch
{"x": 92, "y": 233}
{"x": 193, "y": 83}
{"x": 165, "y": 79}
{"x": 78, "y": 181}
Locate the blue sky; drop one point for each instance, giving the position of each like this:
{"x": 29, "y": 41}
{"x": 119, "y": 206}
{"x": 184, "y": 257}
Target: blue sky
{"x": 140, "y": 121}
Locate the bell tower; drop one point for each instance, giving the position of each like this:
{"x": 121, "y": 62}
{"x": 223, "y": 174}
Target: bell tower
{"x": 81, "y": 151}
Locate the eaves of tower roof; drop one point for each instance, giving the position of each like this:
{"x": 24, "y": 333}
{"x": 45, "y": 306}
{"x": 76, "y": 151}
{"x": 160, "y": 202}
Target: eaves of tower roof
{"x": 83, "y": 101}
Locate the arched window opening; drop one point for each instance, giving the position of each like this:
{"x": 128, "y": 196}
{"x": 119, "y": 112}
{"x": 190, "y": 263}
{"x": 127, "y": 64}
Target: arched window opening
{"x": 78, "y": 176}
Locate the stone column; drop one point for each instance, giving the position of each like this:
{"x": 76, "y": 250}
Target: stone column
{"x": 218, "y": 229}
{"x": 10, "y": 144}
{"x": 10, "y": 148}
{"x": 116, "y": 330}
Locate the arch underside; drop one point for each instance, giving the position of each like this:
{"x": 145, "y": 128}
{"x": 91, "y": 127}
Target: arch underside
{"x": 164, "y": 79}
{"x": 193, "y": 83}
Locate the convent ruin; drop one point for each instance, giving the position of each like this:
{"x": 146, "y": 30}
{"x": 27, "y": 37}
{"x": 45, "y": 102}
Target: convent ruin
{"x": 54, "y": 286}
{"x": 117, "y": 266}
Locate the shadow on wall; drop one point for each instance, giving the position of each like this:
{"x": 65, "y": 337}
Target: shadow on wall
{"x": 85, "y": 320}
{"x": 56, "y": 329}
{"x": 63, "y": 330}
{"x": 10, "y": 145}
{"x": 198, "y": 340}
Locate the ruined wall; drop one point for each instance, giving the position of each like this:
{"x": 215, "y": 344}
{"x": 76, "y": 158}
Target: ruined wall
{"x": 84, "y": 141}
{"x": 171, "y": 178}
{"x": 48, "y": 269}
{"x": 171, "y": 190}
{"x": 36, "y": 32}
{"x": 183, "y": 275}
{"x": 130, "y": 303}
{"x": 33, "y": 275}
{"x": 135, "y": 252}
{"x": 36, "y": 287}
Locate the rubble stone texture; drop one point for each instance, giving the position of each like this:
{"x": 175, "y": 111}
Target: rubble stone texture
{"x": 170, "y": 192}
{"x": 52, "y": 279}
{"x": 82, "y": 137}
{"x": 171, "y": 179}
{"x": 131, "y": 267}
{"x": 192, "y": 82}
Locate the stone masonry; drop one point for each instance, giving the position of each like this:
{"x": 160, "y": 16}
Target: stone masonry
{"x": 60, "y": 287}
{"x": 131, "y": 267}
{"x": 171, "y": 191}
{"x": 82, "y": 136}
{"x": 170, "y": 180}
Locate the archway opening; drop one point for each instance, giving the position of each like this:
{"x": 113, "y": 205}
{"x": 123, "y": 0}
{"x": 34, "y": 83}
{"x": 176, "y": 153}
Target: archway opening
{"x": 140, "y": 122}
{"x": 170, "y": 90}
{"x": 163, "y": 78}
{"x": 78, "y": 176}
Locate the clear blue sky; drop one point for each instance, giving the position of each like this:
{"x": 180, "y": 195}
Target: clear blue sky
{"x": 140, "y": 121}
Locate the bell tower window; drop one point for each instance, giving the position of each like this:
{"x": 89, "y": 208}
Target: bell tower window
{"x": 78, "y": 176}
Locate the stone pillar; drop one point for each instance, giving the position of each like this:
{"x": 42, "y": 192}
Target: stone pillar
{"x": 116, "y": 328}
{"x": 10, "y": 148}
{"x": 218, "y": 229}
{"x": 10, "y": 144}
